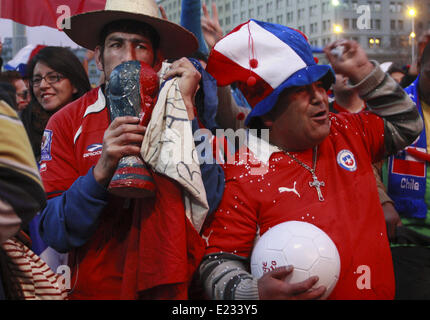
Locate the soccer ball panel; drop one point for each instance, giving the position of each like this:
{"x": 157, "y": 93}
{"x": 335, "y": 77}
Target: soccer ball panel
{"x": 269, "y": 261}
{"x": 301, "y": 252}
{"x": 300, "y": 228}
{"x": 297, "y": 275}
{"x": 326, "y": 247}
{"x": 278, "y": 239}
{"x": 327, "y": 270}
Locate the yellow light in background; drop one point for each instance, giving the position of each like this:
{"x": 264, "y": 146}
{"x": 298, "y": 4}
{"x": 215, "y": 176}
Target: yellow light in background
{"x": 371, "y": 40}
{"x": 412, "y": 13}
{"x": 377, "y": 41}
{"x": 337, "y": 28}
{"x": 335, "y": 3}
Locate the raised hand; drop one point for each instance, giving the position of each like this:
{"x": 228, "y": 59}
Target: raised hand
{"x": 348, "y": 58}
{"x": 212, "y": 31}
{"x": 163, "y": 12}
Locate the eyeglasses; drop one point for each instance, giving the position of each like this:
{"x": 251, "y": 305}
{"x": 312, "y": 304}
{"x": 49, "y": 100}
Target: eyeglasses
{"x": 51, "y": 78}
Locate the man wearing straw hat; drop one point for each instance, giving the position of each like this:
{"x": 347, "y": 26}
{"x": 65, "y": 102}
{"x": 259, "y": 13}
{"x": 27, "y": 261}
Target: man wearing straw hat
{"x": 318, "y": 165}
{"x": 109, "y": 255}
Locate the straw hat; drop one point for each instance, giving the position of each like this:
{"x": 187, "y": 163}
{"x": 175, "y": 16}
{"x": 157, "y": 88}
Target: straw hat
{"x": 175, "y": 41}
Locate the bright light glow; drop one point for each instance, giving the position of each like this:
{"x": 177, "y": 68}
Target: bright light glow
{"x": 412, "y": 12}
{"x": 335, "y": 3}
{"x": 412, "y": 35}
{"x": 337, "y": 28}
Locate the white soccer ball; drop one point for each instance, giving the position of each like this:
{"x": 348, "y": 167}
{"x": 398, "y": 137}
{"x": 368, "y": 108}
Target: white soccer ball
{"x": 304, "y": 246}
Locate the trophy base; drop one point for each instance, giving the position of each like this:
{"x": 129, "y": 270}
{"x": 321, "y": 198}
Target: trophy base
{"x": 132, "y": 181}
{"x": 128, "y": 189}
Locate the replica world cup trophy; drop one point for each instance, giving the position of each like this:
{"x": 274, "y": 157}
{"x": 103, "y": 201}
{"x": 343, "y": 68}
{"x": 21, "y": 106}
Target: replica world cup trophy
{"x": 132, "y": 91}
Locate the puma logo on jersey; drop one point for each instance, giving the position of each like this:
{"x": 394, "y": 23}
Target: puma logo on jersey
{"x": 293, "y": 189}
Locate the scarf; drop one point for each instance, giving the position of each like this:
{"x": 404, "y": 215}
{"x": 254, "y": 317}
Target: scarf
{"x": 407, "y": 171}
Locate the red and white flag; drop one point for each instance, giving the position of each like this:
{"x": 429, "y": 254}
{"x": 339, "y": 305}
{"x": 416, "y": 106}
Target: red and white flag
{"x": 413, "y": 164}
{"x": 49, "y": 13}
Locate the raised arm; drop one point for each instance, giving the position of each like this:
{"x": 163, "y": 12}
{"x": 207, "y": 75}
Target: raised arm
{"x": 382, "y": 94}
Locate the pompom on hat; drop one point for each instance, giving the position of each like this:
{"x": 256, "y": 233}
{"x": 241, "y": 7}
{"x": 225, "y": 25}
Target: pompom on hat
{"x": 265, "y": 58}
{"x": 175, "y": 41}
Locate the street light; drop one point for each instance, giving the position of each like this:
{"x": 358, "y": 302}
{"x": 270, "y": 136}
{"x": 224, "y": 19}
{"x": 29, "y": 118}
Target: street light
{"x": 374, "y": 42}
{"x": 412, "y": 13}
{"x": 337, "y": 28}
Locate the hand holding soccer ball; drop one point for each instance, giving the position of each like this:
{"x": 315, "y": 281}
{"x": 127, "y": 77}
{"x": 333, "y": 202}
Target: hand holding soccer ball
{"x": 295, "y": 260}
{"x": 274, "y": 286}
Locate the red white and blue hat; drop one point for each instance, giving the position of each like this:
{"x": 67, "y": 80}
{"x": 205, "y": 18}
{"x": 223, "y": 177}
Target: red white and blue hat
{"x": 264, "y": 59}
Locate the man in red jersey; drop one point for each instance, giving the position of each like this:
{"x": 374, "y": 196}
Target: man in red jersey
{"x": 318, "y": 165}
{"x": 119, "y": 248}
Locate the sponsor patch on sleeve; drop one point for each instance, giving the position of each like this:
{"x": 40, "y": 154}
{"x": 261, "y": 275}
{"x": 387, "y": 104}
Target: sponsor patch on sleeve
{"x": 42, "y": 167}
{"x": 45, "y": 154}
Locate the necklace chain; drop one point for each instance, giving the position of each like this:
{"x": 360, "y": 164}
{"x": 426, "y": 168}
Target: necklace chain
{"x": 304, "y": 165}
{"x": 315, "y": 183}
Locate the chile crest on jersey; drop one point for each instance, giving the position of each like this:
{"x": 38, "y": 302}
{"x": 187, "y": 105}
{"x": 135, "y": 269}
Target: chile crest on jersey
{"x": 346, "y": 160}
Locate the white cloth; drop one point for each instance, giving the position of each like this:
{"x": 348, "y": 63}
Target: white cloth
{"x": 168, "y": 148}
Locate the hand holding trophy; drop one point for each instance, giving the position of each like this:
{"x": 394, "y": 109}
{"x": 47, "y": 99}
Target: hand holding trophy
{"x": 132, "y": 91}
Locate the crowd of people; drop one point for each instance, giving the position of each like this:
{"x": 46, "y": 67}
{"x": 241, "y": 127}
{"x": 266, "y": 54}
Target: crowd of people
{"x": 348, "y": 136}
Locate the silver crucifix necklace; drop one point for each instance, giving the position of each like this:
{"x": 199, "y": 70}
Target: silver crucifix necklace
{"x": 315, "y": 183}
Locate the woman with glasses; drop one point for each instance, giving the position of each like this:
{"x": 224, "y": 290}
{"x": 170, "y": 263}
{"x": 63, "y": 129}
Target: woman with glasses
{"x": 57, "y": 77}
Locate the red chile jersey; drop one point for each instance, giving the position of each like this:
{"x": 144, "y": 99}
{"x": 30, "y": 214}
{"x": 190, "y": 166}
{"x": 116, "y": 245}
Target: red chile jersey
{"x": 81, "y": 216}
{"x": 350, "y": 214}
